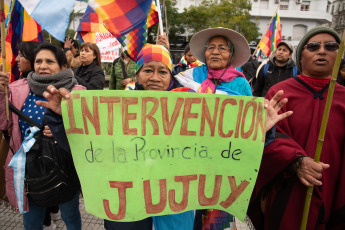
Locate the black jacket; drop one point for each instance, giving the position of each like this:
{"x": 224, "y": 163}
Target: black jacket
{"x": 249, "y": 69}
{"x": 274, "y": 75}
{"x": 179, "y": 68}
{"x": 91, "y": 76}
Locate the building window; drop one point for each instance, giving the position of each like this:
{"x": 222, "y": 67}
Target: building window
{"x": 284, "y": 4}
{"x": 305, "y": 6}
{"x": 298, "y": 32}
{"x": 264, "y": 4}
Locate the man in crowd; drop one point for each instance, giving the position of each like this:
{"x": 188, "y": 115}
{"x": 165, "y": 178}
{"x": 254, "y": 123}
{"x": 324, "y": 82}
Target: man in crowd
{"x": 122, "y": 73}
{"x": 279, "y": 68}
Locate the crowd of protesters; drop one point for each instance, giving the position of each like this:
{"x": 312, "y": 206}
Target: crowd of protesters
{"x": 295, "y": 95}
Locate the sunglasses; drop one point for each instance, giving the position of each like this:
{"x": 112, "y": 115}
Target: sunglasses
{"x": 329, "y": 46}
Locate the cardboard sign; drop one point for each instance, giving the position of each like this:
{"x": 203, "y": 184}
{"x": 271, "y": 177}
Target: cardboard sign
{"x": 109, "y": 46}
{"x": 147, "y": 153}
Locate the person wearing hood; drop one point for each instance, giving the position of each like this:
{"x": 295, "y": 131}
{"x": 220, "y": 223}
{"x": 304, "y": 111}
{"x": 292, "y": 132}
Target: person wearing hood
{"x": 279, "y": 68}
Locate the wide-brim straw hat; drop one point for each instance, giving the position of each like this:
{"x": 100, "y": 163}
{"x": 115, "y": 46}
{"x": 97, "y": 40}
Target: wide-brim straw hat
{"x": 241, "y": 47}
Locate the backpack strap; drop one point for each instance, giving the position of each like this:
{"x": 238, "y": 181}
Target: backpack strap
{"x": 294, "y": 71}
{"x": 115, "y": 61}
{"x": 25, "y": 118}
{"x": 123, "y": 70}
{"x": 266, "y": 68}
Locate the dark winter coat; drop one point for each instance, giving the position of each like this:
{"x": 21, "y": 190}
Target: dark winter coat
{"x": 274, "y": 75}
{"x": 91, "y": 76}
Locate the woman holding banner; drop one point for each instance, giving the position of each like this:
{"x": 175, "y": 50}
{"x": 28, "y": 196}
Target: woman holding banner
{"x": 222, "y": 50}
{"x": 153, "y": 73}
{"x": 287, "y": 166}
{"x": 50, "y": 65}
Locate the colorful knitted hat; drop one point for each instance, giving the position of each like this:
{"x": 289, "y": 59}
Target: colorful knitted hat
{"x": 311, "y": 33}
{"x": 152, "y": 52}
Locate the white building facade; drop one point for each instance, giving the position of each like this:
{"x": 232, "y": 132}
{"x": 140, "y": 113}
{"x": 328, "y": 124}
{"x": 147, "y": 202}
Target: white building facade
{"x": 296, "y": 16}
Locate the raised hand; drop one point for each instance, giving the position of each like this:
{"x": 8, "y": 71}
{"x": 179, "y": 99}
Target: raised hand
{"x": 163, "y": 40}
{"x": 273, "y": 106}
{"x": 54, "y": 98}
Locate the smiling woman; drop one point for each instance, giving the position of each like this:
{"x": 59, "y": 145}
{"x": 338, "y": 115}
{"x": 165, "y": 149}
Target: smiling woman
{"x": 50, "y": 64}
{"x": 222, "y": 50}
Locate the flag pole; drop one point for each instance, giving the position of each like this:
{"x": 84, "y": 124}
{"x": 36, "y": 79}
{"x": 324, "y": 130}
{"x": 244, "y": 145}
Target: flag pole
{"x": 269, "y": 24}
{"x": 3, "y": 51}
{"x": 166, "y": 18}
{"x": 323, "y": 128}
{"x": 160, "y": 17}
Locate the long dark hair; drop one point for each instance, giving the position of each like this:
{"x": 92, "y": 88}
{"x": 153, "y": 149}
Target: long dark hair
{"x": 27, "y": 49}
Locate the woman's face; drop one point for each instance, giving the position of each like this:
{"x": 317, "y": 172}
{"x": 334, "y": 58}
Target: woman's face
{"x": 190, "y": 57}
{"x": 218, "y": 53}
{"x": 23, "y": 63}
{"x": 87, "y": 55}
{"x": 46, "y": 63}
{"x": 319, "y": 63}
{"x": 154, "y": 75}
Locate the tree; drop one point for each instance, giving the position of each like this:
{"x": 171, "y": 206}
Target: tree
{"x": 222, "y": 13}
{"x": 175, "y": 22}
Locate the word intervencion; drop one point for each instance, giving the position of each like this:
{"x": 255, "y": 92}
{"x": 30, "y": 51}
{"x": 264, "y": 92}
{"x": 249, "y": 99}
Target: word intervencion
{"x": 151, "y": 116}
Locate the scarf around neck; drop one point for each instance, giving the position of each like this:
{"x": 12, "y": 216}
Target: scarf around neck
{"x": 38, "y": 84}
{"x": 220, "y": 75}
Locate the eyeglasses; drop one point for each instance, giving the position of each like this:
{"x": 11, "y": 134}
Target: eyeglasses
{"x": 329, "y": 46}
{"x": 221, "y": 48}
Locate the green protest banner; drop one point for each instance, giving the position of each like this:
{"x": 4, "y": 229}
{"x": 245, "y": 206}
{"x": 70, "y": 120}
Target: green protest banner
{"x": 146, "y": 153}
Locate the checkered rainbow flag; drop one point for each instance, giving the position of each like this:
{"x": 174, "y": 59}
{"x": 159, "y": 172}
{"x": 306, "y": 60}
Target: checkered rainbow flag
{"x": 272, "y": 37}
{"x": 121, "y": 16}
{"x": 89, "y": 25}
{"x": 128, "y": 21}
{"x": 137, "y": 38}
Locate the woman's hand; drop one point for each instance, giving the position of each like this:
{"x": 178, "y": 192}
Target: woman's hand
{"x": 126, "y": 81}
{"x": 163, "y": 40}
{"x": 273, "y": 106}
{"x": 4, "y": 79}
{"x": 310, "y": 172}
{"x": 54, "y": 98}
{"x": 47, "y": 131}
{"x": 68, "y": 43}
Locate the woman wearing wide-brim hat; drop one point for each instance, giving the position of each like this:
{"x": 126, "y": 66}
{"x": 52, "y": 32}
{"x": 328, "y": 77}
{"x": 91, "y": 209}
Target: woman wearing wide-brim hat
{"x": 222, "y": 50}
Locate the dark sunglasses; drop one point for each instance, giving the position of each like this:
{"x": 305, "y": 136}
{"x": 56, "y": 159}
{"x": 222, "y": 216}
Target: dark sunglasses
{"x": 329, "y": 46}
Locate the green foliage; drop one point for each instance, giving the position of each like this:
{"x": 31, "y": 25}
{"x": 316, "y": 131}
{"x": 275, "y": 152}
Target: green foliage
{"x": 232, "y": 14}
{"x": 175, "y": 23}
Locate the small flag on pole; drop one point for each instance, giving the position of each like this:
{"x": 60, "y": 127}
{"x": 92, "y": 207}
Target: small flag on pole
{"x": 272, "y": 37}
